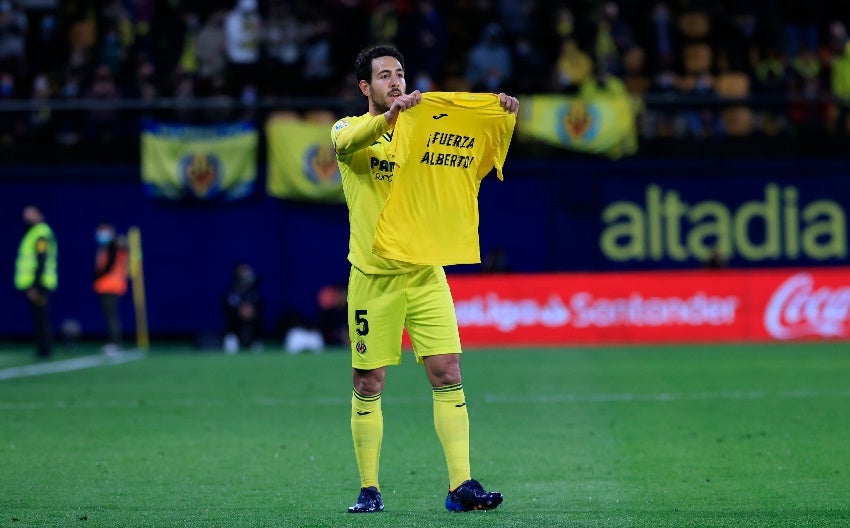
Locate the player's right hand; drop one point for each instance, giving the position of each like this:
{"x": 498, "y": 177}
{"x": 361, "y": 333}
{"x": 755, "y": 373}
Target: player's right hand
{"x": 402, "y": 103}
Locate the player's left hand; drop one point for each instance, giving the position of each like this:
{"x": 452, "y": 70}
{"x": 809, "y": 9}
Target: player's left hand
{"x": 510, "y": 104}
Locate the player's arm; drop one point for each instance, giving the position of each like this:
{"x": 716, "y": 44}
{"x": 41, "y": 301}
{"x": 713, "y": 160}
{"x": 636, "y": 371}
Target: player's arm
{"x": 349, "y": 138}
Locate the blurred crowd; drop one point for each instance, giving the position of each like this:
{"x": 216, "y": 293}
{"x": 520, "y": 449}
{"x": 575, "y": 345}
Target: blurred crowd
{"x": 783, "y": 51}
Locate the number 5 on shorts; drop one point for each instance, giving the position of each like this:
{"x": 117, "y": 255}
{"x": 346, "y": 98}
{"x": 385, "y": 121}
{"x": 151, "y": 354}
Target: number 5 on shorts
{"x": 361, "y": 322}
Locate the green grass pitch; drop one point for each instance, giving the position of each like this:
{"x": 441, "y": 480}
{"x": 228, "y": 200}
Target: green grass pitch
{"x": 699, "y": 436}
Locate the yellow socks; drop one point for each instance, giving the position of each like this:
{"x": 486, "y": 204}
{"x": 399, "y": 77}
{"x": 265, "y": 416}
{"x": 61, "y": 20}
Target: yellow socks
{"x": 452, "y": 423}
{"x": 367, "y": 429}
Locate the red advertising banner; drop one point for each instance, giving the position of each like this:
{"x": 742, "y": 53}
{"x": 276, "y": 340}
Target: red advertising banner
{"x": 653, "y": 307}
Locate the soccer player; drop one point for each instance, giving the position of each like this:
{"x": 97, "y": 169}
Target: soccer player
{"x": 385, "y": 296}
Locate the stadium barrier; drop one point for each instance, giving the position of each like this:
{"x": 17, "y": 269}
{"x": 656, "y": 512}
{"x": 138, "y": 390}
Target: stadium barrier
{"x": 703, "y": 306}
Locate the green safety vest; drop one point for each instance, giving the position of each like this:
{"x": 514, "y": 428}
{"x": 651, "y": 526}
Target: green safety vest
{"x": 27, "y": 261}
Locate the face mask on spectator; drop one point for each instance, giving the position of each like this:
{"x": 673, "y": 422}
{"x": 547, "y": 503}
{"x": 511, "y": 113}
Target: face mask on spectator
{"x": 103, "y": 236}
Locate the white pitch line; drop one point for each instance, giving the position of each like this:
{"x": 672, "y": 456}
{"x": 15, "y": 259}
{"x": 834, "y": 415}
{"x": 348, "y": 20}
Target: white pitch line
{"x": 796, "y": 394}
{"x": 67, "y": 365}
{"x": 568, "y": 398}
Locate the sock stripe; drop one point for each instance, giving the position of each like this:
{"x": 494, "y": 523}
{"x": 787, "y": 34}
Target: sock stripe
{"x": 449, "y": 388}
{"x": 368, "y": 399}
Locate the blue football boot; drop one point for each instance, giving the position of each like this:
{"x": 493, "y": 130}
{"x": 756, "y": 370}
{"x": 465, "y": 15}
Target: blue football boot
{"x": 472, "y": 496}
{"x": 368, "y": 501}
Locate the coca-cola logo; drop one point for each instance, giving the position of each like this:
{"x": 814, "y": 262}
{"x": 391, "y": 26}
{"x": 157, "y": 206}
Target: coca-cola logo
{"x": 799, "y": 309}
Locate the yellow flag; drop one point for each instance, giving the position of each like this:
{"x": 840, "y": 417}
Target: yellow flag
{"x": 302, "y": 164}
{"x": 598, "y": 123}
{"x": 201, "y": 162}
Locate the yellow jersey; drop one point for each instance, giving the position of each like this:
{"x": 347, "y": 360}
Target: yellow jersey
{"x": 442, "y": 148}
{"x": 360, "y": 143}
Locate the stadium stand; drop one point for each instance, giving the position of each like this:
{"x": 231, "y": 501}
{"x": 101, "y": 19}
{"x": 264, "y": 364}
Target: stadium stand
{"x": 55, "y": 55}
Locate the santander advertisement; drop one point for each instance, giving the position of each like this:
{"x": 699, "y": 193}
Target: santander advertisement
{"x": 653, "y": 307}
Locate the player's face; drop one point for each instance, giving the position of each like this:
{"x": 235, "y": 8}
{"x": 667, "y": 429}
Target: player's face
{"x": 387, "y": 82}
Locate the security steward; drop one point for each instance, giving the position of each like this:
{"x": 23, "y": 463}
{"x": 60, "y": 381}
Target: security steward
{"x": 35, "y": 275}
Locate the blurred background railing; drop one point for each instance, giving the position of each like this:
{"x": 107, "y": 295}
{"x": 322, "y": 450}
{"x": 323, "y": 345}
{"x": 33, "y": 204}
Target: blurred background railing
{"x": 96, "y": 131}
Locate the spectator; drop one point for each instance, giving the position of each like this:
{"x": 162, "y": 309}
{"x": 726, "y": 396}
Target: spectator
{"x": 663, "y": 40}
{"x": 243, "y": 28}
{"x": 188, "y": 62}
{"x": 702, "y": 120}
{"x": 113, "y": 50}
{"x": 740, "y": 39}
{"x": 243, "y": 311}
{"x": 770, "y": 80}
{"x": 70, "y": 123}
{"x": 318, "y": 66}
{"x": 13, "y": 35}
{"x": 103, "y": 125}
{"x": 517, "y": 16}
{"x": 613, "y": 36}
{"x": 805, "y": 110}
{"x": 428, "y": 34}
{"x": 10, "y": 122}
{"x": 184, "y": 95}
{"x": 284, "y": 44}
{"x": 573, "y": 66}
{"x": 209, "y": 49}
{"x": 46, "y": 45}
{"x": 533, "y": 70}
{"x": 40, "y": 122}
{"x": 146, "y": 86}
{"x": 489, "y": 65}
{"x": 802, "y": 19}
{"x": 384, "y": 21}
{"x": 840, "y": 80}
{"x": 660, "y": 122}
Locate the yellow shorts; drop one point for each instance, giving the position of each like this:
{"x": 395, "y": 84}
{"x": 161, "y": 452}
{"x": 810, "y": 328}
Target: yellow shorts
{"x": 381, "y": 306}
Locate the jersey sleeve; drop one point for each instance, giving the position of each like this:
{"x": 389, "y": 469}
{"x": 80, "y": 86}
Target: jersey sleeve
{"x": 350, "y": 134}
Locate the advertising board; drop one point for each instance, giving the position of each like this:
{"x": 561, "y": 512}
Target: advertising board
{"x": 702, "y": 306}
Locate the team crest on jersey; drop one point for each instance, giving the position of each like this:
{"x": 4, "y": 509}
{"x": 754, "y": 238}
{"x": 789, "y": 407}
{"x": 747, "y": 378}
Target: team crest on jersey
{"x": 339, "y": 125}
{"x": 320, "y": 165}
{"x": 201, "y": 173}
{"x": 360, "y": 347}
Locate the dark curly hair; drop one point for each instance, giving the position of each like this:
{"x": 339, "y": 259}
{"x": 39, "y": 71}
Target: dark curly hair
{"x": 363, "y": 62}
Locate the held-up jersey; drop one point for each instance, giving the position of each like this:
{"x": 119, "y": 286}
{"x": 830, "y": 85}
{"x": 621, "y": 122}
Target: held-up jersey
{"x": 361, "y": 143}
{"x": 442, "y": 149}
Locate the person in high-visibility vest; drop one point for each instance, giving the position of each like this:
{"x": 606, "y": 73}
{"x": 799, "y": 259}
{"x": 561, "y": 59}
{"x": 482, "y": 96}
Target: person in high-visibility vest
{"x": 110, "y": 281}
{"x": 36, "y": 276}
